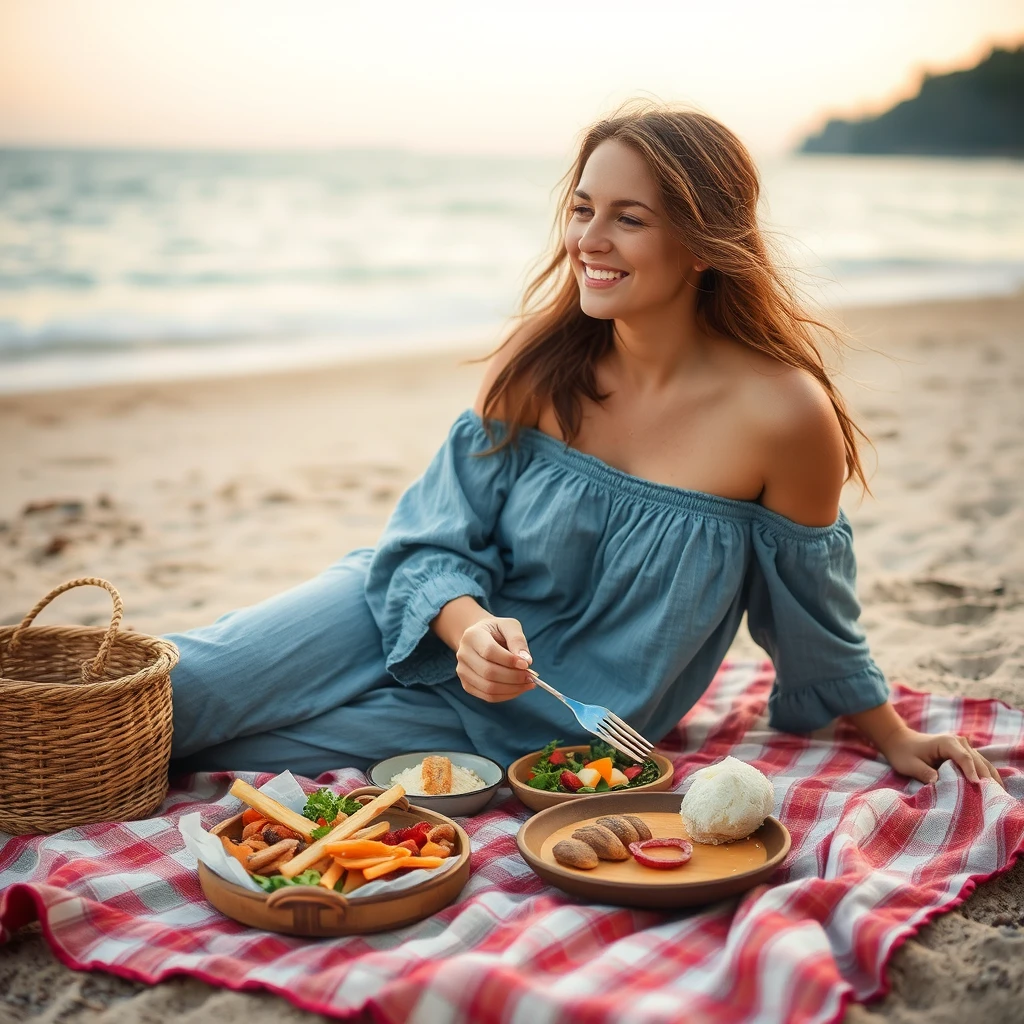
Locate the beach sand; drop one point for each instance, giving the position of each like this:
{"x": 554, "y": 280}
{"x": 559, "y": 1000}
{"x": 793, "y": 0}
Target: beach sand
{"x": 195, "y": 498}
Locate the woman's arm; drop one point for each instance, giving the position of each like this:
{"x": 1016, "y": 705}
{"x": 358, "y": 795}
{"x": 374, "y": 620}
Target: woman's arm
{"x": 805, "y": 462}
{"x": 492, "y": 654}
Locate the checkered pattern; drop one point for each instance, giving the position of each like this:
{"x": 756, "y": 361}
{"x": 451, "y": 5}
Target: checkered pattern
{"x": 874, "y": 858}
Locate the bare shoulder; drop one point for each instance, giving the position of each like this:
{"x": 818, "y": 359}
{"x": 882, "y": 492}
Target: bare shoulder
{"x": 498, "y": 361}
{"x": 799, "y": 437}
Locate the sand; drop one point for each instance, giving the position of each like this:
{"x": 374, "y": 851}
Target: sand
{"x": 198, "y": 497}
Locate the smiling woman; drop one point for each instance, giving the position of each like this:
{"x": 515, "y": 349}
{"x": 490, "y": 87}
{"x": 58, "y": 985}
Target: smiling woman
{"x": 655, "y": 451}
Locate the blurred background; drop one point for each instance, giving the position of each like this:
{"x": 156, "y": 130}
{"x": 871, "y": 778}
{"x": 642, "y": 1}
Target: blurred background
{"x": 197, "y": 187}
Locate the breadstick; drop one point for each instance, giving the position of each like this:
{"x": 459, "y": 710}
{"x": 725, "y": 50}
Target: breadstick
{"x": 272, "y": 809}
{"x": 347, "y": 828}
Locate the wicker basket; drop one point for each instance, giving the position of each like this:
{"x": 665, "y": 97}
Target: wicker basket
{"x": 85, "y": 721}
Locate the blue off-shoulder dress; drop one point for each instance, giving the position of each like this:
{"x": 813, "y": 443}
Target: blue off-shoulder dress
{"x": 629, "y": 592}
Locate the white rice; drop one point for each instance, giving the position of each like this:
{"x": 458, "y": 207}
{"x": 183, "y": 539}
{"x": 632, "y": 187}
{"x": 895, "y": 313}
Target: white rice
{"x": 464, "y": 780}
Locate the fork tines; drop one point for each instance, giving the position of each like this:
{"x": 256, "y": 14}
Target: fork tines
{"x": 624, "y": 737}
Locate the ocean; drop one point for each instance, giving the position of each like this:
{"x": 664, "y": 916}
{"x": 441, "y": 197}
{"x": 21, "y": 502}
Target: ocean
{"x": 145, "y": 265}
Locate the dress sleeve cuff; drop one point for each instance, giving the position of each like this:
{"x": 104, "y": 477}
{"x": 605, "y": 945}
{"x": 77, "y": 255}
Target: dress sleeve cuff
{"x": 815, "y": 705}
{"x": 419, "y": 655}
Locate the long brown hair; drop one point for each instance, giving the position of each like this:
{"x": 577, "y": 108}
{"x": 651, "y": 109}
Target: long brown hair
{"x": 709, "y": 188}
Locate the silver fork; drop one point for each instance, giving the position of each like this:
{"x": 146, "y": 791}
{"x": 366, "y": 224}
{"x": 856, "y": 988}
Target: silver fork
{"x": 603, "y": 723}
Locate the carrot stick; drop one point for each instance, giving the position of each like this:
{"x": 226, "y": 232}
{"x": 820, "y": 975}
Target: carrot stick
{"x": 400, "y": 862}
{"x": 359, "y": 863}
{"x": 353, "y": 880}
{"x": 331, "y": 875}
{"x": 359, "y": 848}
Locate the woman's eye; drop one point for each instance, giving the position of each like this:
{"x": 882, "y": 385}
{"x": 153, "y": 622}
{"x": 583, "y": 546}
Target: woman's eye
{"x": 628, "y": 221}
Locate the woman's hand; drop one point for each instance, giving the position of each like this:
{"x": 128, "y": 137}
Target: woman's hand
{"x": 918, "y": 754}
{"x": 493, "y": 658}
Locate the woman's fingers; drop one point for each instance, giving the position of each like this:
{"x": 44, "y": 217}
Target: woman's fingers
{"x": 920, "y": 770}
{"x": 515, "y": 640}
{"x": 957, "y": 749}
{"x": 492, "y": 672}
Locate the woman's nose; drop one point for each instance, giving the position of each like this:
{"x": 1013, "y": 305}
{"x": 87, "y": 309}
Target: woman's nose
{"x": 594, "y": 239}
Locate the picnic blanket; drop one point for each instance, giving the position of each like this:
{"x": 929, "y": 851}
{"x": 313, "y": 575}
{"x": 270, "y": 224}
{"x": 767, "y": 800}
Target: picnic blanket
{"x": 874, "y": 857}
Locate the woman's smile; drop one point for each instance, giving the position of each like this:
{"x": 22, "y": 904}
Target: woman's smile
{"x": 597, "y": 275}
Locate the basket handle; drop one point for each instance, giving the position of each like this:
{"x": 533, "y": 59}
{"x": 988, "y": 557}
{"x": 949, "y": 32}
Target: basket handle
{"x": 366, "y": 794}
{"x": 306, "y": 902}
{"x": 89, "y": 670}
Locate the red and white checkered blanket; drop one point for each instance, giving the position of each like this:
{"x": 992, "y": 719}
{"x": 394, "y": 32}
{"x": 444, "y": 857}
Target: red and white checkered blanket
{"x": 874, "y": 857}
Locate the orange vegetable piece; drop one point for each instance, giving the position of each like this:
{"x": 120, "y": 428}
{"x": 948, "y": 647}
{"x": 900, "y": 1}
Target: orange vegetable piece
{"x": 238, "y": 851}
{"x": 353, "y": 880}
{"x": 331, "y": 875}
{"x": 361, "y": 863}
{"x": 603, "y": 766}
{"x": 401, "y": 862}
{"x": 359, "y": 848}
{"x": 250, "y": 815}
{"x": 434, "y": 850}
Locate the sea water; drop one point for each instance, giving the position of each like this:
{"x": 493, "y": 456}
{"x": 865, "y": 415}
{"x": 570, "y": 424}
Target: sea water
{"x": 136, "y": 265}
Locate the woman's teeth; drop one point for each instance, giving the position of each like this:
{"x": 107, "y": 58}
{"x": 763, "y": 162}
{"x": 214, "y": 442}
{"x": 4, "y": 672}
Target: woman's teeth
{"x": 603, "y": 275}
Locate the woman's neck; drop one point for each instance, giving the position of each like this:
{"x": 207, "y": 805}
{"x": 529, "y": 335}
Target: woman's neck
{"x": 653, "y": 352}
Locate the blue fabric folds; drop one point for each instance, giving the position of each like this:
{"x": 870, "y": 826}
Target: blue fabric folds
{"x": 437, "y": 546}
{"x": 629, "y": 592}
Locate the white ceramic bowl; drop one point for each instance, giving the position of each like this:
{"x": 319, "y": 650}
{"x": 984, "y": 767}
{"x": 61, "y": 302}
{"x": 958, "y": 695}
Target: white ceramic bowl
{"x": 382, "y": 772}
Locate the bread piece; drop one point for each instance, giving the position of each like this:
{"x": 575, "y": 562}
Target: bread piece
{"x": 622, "y": 828}
{"x": 573, "y": 853}
{"x": 642, "y": 829}
{"x": 606, "y": 843}
{"x": 437, "y": 775}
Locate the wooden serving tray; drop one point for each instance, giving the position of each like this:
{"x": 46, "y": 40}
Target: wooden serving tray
{"x": 314, "y": 911}
{"x": 713, "y": 873}
{"x": 538, "y": 799}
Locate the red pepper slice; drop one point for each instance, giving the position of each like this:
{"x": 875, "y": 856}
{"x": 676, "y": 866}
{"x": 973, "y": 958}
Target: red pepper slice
{"x": 685, "y": 852}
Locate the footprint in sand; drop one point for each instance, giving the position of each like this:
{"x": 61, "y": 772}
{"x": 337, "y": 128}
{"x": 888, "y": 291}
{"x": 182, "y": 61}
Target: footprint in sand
{"x": 972, "y": 666}
{"x": 966, "y": 614}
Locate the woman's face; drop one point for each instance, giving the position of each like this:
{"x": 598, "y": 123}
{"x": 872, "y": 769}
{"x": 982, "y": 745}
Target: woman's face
{"x": 625, "y": 260}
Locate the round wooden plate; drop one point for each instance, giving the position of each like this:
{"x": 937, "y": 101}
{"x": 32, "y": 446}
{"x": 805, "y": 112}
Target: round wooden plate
{"x": 538, "y": 799}
{"x": 713, "y": 873}
{"x": 315, "y": 911}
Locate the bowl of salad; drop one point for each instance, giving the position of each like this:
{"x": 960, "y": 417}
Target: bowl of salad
{"x": 559, "y": 773}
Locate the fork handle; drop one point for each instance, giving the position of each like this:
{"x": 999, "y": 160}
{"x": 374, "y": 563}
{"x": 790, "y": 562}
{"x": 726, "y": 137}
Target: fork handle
{"x": 545, "y": 686}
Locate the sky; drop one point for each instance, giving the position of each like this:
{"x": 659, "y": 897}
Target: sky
{"x": 462, "y": 76}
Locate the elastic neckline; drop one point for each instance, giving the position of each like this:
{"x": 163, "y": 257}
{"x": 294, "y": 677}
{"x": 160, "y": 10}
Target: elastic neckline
{"x": 700, "y": 502}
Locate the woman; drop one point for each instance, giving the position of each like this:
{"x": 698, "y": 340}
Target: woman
{"x": 656, "y": 450}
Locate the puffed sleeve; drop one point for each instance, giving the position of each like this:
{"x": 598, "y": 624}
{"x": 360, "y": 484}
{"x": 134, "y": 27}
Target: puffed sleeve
{"x": 802, "y": 608}
{"x": 439, "y": 545}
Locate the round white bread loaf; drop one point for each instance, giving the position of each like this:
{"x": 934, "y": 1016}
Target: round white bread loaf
{"x": 726, "y": 801}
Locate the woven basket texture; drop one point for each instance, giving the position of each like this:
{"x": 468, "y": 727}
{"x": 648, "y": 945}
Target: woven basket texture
{"x": 85, "y": 721}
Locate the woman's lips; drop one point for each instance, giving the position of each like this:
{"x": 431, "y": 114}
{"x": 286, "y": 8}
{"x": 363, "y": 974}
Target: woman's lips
{"x": 604, "y": 278}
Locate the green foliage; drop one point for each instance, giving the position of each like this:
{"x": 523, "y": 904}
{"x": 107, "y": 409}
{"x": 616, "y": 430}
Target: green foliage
{"x": 324, "y": 804}
{"x": 275, "y": 882}
{"x": 546, "y": 774}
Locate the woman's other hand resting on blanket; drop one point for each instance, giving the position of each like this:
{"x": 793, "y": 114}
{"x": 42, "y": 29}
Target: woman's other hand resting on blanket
{"x": 491, "y": 652}
{"x": 918, "y": 754}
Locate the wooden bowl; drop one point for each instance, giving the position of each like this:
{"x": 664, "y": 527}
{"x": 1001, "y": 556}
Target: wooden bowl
{"x": 539, "y": 799}
{"x": 713, "y": 873}
{"x": 315, "y": 911}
